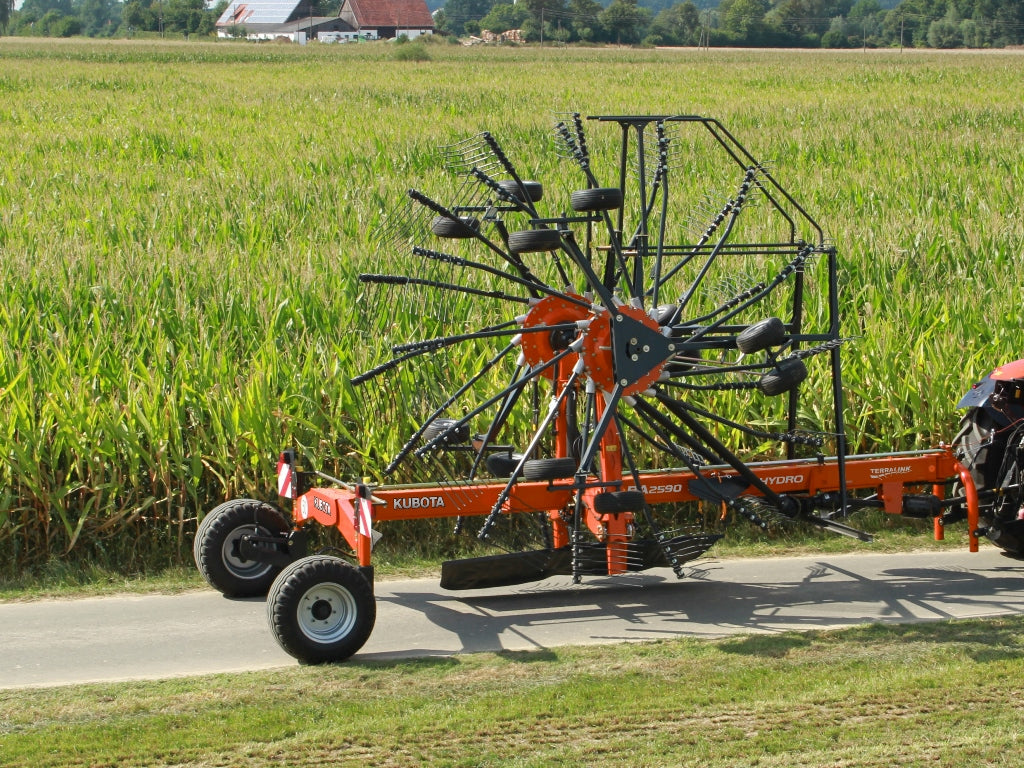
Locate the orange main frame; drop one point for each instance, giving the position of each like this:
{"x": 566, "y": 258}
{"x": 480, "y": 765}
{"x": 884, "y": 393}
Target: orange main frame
{"x": 889, "y": 475}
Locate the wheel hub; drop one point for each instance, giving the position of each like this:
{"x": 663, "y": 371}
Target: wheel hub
{"x": 321, "y": 610}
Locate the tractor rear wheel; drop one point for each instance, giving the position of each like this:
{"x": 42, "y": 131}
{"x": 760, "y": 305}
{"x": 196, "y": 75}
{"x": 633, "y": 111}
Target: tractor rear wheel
{"x": 321, "y": 609}
{"x": 217, "y": 546}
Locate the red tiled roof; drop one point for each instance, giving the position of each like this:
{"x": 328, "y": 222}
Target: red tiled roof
{"x": 389, "y": 13}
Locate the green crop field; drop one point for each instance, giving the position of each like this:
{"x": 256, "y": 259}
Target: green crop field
{"x": 181, "y": 225}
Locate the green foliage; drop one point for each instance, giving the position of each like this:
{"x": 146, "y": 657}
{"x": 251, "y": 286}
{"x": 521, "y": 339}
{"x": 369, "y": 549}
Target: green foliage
{"x": 410, "y": 51}
{"x": 624, "y": 21}
{"x": 505, "y": 16}
{"x": 458, "y": 12}
{"x": 678, "y": 25}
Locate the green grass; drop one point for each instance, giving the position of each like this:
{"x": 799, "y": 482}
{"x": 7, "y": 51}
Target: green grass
{"x": 180, "y": 233}
{"x": 944, "y": 693}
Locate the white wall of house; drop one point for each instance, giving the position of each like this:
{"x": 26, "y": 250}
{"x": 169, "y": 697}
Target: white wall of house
{"x": 347, "y": 37}
{"x": 412, "y": 34}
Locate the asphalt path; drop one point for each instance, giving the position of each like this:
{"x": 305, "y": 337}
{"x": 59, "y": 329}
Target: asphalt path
{"x": 49, "y": 643}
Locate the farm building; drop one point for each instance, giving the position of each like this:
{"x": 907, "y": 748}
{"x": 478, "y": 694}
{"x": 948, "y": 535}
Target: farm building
{"x": 293, "y": 20}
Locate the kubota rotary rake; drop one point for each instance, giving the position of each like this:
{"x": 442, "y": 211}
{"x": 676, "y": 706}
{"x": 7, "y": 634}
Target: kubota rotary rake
{"x": 624, "y": 353}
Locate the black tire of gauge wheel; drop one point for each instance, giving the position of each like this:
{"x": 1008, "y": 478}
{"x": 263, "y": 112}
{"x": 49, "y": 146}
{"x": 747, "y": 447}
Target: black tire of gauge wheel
{"x": 534, "y": 241}
{"x": 321, "y": 609}
{"x": 598, "y": 199}
{"x": 549, "y": 469}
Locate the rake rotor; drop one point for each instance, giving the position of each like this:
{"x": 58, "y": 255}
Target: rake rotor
{"x": 607, "y": 342}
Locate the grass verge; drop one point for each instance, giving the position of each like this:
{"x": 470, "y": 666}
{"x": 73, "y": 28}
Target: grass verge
{"x": 909, "y": 695}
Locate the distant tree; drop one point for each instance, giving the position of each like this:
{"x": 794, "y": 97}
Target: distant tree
{"x": 6, "y": 6}
{"x": 505, "y": 16}
{"x": 186, "y": 16}
{"x": 458, "y": 12}
{"x": 945, "y": 32}
{"x": 803, "y": 18}
{"x": 743, "y": 20}
{"x": 584, "y": 19}
{"x": 41, "y": 7}
{"x": 133, "y": 15}
{"x": 625, "y": 21}
{"x": 678, "y": 25}
{"x": 99, "y": 17}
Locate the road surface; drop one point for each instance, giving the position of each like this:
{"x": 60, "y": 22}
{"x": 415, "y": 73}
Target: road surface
{"x": 150, "y": 637}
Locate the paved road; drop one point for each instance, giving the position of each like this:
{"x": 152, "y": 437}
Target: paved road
{"x": 123, "y": 638}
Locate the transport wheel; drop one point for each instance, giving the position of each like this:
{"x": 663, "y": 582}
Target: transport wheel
{"x": 534, "y": 241}
{"x": 216, "y": 546}
{"x": 321, "y": 609}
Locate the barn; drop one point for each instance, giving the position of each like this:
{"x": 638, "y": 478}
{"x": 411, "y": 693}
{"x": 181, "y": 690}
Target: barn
{"x": 294, "y": 20}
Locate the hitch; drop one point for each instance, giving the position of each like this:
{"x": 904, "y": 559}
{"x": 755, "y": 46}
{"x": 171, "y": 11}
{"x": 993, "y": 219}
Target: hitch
{"x": 278, "y": 551}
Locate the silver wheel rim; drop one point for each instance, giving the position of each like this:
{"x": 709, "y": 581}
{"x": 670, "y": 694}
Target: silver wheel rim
{"x": 234, "y": 562}
{"x": 327, "y": 613}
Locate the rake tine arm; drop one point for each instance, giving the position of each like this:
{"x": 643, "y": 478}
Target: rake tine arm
{"x": 654, "y": 417}
{"x": 730, "y": 458}
{"x": 440, "y": 210}
{"x": 499, "y": 153}
{"x": 733, "y": 215}
{"x": 407, "y": 448}
{"x": 405, "y": 280}
{"x": 553, "y": 409}
{"x": 445, "y": 341}
{"x": 779, "y": 279}
{"x": 384, "y": 367}
{"x": 522, "y": 381}
{"x": 531, "y": 284}
{"x": 512, "y": 397}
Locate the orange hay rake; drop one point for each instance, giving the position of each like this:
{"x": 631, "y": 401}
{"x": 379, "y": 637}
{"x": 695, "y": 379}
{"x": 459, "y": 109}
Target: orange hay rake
{"x": 644, "y": 349}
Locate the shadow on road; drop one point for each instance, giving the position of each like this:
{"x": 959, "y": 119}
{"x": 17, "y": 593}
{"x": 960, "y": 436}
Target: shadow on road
{"x": 817, "y": 593}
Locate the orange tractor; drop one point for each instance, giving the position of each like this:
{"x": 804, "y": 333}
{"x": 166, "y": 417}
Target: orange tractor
{"x": 636, "y": 377}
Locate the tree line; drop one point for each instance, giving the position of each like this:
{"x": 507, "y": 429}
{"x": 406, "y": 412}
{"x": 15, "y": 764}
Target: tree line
{"x": 759, "y": 23}
{"x": 110, "y": 18}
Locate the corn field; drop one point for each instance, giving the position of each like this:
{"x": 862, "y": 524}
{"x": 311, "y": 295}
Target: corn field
{"x": 181, "y": 225}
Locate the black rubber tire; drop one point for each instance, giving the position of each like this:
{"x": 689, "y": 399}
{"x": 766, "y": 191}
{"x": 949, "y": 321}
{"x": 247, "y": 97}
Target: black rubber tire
{"x": 549, "y": 469}
{"x": 598, "y": 199}
{"x": 321, "y": 609}
{"x": 466, "y": 227}
{"x": 770, "y": 332}
{"x": 980, "y": 446}
{"x": 534, "y": 190}
{"x": 613, "y": 502}
{"x": 437, "y": 427}
{"x": 502, "y": 464}
{"x": 216, "y": 546}
{"x": 534, "y": 241}
{"x": 664, "y": 312}
{"x": 786, "y": 375}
